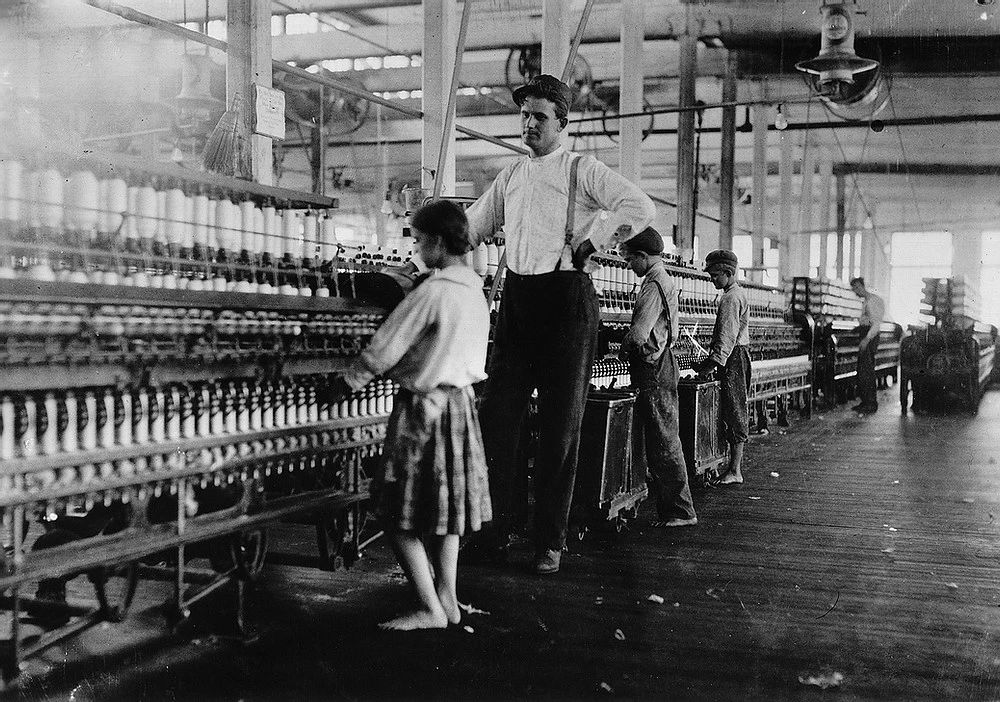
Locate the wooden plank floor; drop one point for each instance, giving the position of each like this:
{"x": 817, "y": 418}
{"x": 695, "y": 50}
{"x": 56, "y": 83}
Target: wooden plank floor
{"x": 874, "y": 553}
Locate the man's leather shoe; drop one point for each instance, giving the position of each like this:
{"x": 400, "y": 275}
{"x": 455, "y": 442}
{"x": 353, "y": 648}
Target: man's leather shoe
{"x": 547, "y": 562}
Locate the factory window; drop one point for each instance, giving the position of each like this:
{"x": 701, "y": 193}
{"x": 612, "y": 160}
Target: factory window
{"x": 338, "y": 65}
{"x": 743, "y": 248}
{"x": 277, "y": 25}
{"x": 299, "y": 23}
{"x": 915, "y": 256}
{"x": 990, "y": 272}
{"x": 217, "y": 29}
{"x": 396, "y": 61}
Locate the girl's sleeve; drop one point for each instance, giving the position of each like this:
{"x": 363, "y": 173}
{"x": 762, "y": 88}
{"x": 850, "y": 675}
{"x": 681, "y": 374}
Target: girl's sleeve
{"x": 402, "y": 329}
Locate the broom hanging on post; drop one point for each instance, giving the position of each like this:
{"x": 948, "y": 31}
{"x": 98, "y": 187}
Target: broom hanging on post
{"x": 227, "y": 150}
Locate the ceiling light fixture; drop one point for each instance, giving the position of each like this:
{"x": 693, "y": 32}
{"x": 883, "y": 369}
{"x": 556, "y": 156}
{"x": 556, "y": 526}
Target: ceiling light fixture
{"x": 836, "y": 63}
{"x": 780, "y": 123}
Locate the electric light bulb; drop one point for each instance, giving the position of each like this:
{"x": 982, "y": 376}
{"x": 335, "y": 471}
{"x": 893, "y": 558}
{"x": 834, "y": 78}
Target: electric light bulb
{"x": 386, "y": 208}
{"x": 780, "y": 123}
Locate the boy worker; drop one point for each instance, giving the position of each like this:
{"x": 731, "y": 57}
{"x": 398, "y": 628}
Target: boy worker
{"x": 654, "y": 371}
{"x": 730, "y": 354}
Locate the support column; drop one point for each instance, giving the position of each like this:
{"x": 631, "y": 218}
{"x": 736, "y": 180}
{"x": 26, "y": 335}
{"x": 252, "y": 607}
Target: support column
{"x": 727, "y": 159}
{"x": 440, "y": 35}
{"x": 785, "y": 209}
{"x": 555, "y": 36}
{"x": 248, "y": 33}
{"x": 825, "y": 183}
{"x": 801, "y": 243}
{"x": 841, "y": 223}
{"x": 685, "y": 144}
{"x": 759, "y": 196}
{"x": 869, "y": 253}
{"x": 630, "y": 90}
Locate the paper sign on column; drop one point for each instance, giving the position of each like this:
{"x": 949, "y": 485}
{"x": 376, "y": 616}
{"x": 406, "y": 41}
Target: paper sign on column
{"x": 269, "y": 112}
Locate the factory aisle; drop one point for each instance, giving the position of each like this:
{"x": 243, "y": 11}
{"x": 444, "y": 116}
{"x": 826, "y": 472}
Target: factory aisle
{"x": 860, "y": 550}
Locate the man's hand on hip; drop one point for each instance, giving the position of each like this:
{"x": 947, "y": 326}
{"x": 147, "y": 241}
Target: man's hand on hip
{"x": 582, "y": 253}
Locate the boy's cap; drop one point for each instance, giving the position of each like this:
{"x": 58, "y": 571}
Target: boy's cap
{"x": 723, "y": 257}
{"x": 647, "y": 241}
{"x": 548, "y": 87}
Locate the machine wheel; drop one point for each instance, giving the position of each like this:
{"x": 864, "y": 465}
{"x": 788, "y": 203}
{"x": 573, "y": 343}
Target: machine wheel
{"x": 115, "y": 587}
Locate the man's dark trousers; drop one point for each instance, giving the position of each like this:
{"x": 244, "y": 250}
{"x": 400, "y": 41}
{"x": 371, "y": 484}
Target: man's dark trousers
{"x": 866, "y": 380}
{"x": 545, "y": 338}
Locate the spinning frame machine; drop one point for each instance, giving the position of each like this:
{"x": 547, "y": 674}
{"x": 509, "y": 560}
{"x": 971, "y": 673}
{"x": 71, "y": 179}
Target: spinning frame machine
{"x": 167, "y": 339}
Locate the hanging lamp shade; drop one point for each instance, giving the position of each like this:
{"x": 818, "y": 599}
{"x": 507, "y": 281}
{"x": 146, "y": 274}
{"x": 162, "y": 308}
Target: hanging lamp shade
{"x": 196, "y": 87}
{"x": 836, "y": 62}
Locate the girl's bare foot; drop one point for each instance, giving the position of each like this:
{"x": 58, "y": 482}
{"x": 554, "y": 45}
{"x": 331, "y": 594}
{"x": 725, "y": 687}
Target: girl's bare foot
{"x": 449, "y": 602}
{"x": 420, "y": 619}
{"x": 729, "y": 479}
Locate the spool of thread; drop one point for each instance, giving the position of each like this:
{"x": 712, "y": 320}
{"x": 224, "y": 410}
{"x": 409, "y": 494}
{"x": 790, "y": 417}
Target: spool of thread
{"x": 310, "y": 237}
{"x": 480, "y": 259}
{"x": 83, "y": 201}
{"x": 256, "y": 409}
{"x": 227, "y": 223}
{"x": 13, "y": 191}
{"x": 176, "y": 220}
{"x": 25, "y": 418}
{"x": 116, "y": 205}
{"x": 140, "y": 417}
{"x": 123, "y": 418}
{"x": 157, "y": 417}
{"x": 328, "y": 239}
{"x": 200, "y": 233}
{"x": 248, "y": 224}
{"x": 172, "y": 411}
{"x": 7, "y": 438}
{"x": 146, "y": 215}
{"x": 48, "y": 425}
{"x": 291, "y": 234}
{"x": 203, "y": 411}
{"x": 51, "y": 199}
{"x": 87, "y": 421}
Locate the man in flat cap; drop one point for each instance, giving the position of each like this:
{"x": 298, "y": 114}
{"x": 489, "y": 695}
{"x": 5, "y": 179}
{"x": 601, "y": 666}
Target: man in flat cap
{"x": 729, "y": 356}
{"x": 548, "y": 205}
{"x": 654, "y": 371}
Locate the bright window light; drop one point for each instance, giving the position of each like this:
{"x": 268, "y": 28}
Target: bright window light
{"x": 396, "y": 61}
{"x": 277, "y": 25}
{"x": 338, "y": 65}
{"x": 298, "y": 23}
{"x": 990, "y": 293}
{"x": 217, "y": 29}
{"x": 915, "y": 256}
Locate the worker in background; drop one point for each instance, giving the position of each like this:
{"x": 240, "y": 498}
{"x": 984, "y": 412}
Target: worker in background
{"x": 869, "y": 323}
{"x": 654, "y": 371}
{"x": 549, "y": 205}
{"x": 729, "y": 358}
{"x": 432, "y": 481}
